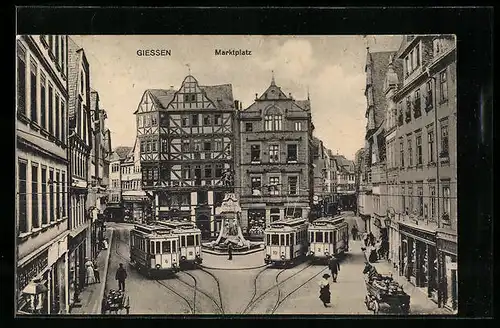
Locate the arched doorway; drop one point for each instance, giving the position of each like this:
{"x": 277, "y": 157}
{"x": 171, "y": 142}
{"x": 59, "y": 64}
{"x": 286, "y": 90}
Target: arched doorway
{"x": 203, "y": 223}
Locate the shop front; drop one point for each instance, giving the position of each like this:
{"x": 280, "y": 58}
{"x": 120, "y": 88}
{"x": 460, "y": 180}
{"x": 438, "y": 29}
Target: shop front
{"x": 134, "y": 204}
{"x": 32, "y": 284}
{"x": 77, "y": 246}
{"x": 256, "y": 223}
{"x": 58, "y": 289}
{"x": 447, "y": 250}
{"x": 419, "y": 260}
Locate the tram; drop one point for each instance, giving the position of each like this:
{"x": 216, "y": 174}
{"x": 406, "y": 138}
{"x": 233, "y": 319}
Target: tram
{"x": 154, "y": 249}
{"x": 286, "y": 241}
{"x": 189, "y": 240}
{"x": 328, "y": 236}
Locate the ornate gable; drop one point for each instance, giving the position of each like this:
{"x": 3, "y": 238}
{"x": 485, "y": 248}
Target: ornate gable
{"x": 191, "y": 96}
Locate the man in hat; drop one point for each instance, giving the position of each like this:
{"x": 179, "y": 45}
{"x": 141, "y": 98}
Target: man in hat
{"x": 334, "y": 267}
{"x": 324, "y": 290}
{"x": 121, "y": 275}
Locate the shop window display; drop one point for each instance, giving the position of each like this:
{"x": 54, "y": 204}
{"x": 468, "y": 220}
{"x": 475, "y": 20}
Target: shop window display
{"x": 256, "y": 222}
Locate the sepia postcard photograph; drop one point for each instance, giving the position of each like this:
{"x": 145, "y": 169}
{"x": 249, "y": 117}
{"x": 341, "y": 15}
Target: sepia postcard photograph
{"x": 236, "y": 174}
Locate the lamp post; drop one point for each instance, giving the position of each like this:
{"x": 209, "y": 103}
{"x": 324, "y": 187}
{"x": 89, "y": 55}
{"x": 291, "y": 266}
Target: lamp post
{"x": 428, "y": 71}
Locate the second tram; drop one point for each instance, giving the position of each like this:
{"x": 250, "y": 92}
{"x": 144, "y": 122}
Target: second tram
{"x": 286, "y": 241}
{"x": 189, "y": 240}
{"x": 327, "y": 237}
{"x": 154, "y": 249}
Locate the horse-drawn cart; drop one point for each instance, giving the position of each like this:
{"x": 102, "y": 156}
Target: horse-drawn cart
{"x": 381, "y": 289}
{"x": 115, "y": 302}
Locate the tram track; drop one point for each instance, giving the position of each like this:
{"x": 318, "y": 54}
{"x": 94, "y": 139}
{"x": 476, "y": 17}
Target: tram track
{"x": 279, "y": 300}
{"x": 221, "y": 305}
{"x": 253, "y": 301}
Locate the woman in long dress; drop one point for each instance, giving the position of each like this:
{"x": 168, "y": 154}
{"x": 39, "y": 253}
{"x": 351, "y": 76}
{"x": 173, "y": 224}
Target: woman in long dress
{"x": 324, "y": 290}
{"x": 89, "y": 272}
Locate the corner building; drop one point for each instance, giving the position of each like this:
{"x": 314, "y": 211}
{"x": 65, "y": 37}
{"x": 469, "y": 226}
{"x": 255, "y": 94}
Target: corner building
{"x": 276, "y": 172}
{"x": 187, "y": 141}
{"x": 41, "y": 173}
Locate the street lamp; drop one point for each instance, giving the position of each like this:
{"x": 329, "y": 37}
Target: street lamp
{"x": 428, "y": 71}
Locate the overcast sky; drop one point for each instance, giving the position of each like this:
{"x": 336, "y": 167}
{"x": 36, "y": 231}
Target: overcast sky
{"x": 331, "y": 67}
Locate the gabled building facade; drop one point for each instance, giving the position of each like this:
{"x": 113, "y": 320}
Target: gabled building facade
{"x": 276, "y": 171}
{"x": 42, "y": 174}
{"x": 114, "y": 206}
{"x": 187, "y": 141}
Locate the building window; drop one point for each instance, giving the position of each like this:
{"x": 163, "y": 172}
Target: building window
{"x": 148, "y": 146}
{"x": 419, "y": 149}
{"x": 194, "y": 119}
{"x": 33, "y": 87}
{"x": 58, "y": 116}
{"x": 443, "y": 86}
{"x": 164, "y": 146}
{"x": 416, "y": 104}
{"x": 256, "y": 184}
{"x": 34, "y": 196}
{"x": 274, "y": 185}
{"x": 202, "y": 197}
{"x": 218, "y": 170}
{"x": 208, "y": 171}
{"x": 408, "y": 109}
{"x": 63, "y": 122}
{"x": 410, "y": 152}
{"x": 428, "y": 96}
{"x": 403, "y": 198}
{"x": 430, "y": 140}
{"x": 248, "y": 127}
{"x": 184, "y": 121}
{"x": 185, "y": 146}
{"x": 44, "y": 196}
{"x": 410, "y": 196}
{"x": 298, "y": 126}
{"x": 21, "y": 79}
{"x": 189, "y": 97}
{"x": 277, "y": 122}
{"x": 291, "y": 153}
{"x": 218, "y": 145}
{"x": 186, "y": 172}
{"x": 43, "y": 98}
{"x": 420, "y": 198}
{"x": 207, "y": 120}
{"x": 82, "y": 87}
{"x": 153, "y": 146}
{"x": 217, "y": 119}
{"x": 58, "y": 54}
{"x": 275, "y": 216}
{"x": 446, "y": 203}
{"x": 400, "y": 113}
{"x": 23, "y": 205}
{"x": 268, "y": 122}
{"x": 207, "y": 146}
{"x": 292, "y": 185}
{"x": 51, "y": 113}
{"x": 255, "y": 153}
{"x": 274, "y": 153}
{"x": 154, "y": 121}
{"x": 444, "y": 139}
{"x": 51, "y": 195}
{"x": 432, "y": 191}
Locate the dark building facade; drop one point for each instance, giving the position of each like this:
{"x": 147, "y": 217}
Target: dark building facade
{"x": 276, "y": 171}
{"x": 187, "y": 150}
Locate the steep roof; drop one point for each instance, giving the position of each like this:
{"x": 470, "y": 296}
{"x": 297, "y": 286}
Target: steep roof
{"x": 122, "y": 151}
{"x": 162, "y": 97}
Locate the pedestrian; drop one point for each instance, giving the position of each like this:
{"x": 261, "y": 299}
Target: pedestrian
{"x": 371, "y": 238}
{"x": 105, "y": 243}
{"x": 96, "y": 272}
{"x": 121, "y": 275}
{"x": 333, "y": 265}
{"x": 365, "y": 238}
{"x": 89, "y": 272}
{"x": 354, "y": 232}
{"x": 324, "y": 290}
{"x": 230, "y": 251}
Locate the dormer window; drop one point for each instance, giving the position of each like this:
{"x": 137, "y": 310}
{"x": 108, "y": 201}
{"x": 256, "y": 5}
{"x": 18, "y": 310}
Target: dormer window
{"x": 412, "y": 60}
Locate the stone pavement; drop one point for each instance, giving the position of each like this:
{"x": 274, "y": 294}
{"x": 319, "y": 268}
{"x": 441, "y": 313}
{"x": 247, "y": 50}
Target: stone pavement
{"x": 91, "y": 296}
{"x": 239, "y": 262}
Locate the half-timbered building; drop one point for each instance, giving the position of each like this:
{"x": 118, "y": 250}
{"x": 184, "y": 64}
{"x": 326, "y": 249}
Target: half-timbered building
{"x": 276, "y": 164}
{"x": 186, "y": 139}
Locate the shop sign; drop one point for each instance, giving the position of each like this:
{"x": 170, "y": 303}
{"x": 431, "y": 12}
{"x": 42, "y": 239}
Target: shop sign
{"x": 418, "y": 234}
{"x": 447, "y": 246}
{"x": 29, "y": 271}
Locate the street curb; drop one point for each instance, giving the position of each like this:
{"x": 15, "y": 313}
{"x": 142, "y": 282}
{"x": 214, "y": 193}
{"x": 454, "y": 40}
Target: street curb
{"x": 97, "y": 307}
{"x": 247, "y": 268}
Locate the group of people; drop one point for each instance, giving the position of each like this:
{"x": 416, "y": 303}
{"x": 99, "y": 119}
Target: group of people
{"x": 375, "y": 249}
{"x": 91, "y": 272}
{"x": 324, "y": 284}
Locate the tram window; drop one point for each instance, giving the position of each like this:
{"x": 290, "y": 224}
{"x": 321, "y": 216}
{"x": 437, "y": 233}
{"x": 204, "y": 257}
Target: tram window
{"x": 287, "y": 240}
{"x": 282, "y": 240}
{"x": 327, "y": 237}
{"x": 197, "y": 240}
{"x": 319, "y": 236}
{"x": 183, "y": 241}
{"x": 174, "y": 246}
{"x": 275, "y": 240}
{"x": 331, "y": 236}
{"x": 158, "y": 247}
{"x": 152, "y": 247}
{"x": 268, "y": 239}
{"x": 190, "y": 240}
{"x": 311, "y": 237}
{"x": 147, "y": 248}
{"x": 292, "y": 239}
{"x": 165, "y": 246}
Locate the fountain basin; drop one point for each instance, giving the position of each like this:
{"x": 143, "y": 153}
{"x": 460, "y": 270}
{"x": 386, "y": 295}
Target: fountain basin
{"x": 222, "y": 249}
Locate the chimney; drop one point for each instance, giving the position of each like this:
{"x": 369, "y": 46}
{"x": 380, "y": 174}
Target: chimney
{"x": 256, "y": 96}
{"x": 236, "y": 104}
{"x": 241, "y": 105}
